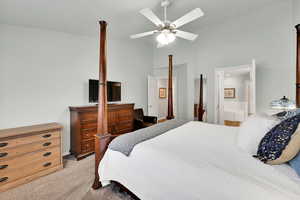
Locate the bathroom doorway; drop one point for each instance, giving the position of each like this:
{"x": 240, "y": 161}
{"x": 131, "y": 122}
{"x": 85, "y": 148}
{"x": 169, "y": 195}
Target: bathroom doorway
{"x": 235, "y": 96}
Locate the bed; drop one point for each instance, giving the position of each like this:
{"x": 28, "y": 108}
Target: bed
{"x": 196, "y": 161}
{"x": 193, "y": 161}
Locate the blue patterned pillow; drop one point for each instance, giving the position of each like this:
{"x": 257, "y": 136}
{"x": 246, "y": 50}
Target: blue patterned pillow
{"x": 276, "y": 140}
{"x": 295, "y": 164}
{"x": 287, "y": 114}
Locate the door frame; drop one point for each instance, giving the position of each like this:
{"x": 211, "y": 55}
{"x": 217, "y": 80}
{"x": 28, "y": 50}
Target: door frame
{"x": 221, "y": 71}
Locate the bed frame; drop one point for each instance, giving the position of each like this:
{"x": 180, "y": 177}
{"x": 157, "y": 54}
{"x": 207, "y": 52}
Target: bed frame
{"x": 201, "y": 106}
{"x": 103, "y": 138}
{"x": 298, "y": 67}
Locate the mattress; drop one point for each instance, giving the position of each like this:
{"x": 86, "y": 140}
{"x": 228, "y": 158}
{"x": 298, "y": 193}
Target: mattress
{"x": 287, "y": 170}
{"x": 196, "y": 161}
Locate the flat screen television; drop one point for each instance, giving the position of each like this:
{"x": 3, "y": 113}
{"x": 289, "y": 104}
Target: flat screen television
{"x": 113, "y": 91}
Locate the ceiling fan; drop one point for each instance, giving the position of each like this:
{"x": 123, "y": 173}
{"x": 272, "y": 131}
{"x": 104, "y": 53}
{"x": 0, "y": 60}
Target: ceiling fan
{"x": 168, "y": 31}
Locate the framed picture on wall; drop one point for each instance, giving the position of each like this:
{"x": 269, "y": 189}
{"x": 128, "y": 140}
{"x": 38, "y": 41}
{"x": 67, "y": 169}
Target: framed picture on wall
{"x": 229, "y": 93}
{"x": 162, "y": 93}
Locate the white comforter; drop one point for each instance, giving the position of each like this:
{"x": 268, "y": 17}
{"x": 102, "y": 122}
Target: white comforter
{"x": 196, "y": 161}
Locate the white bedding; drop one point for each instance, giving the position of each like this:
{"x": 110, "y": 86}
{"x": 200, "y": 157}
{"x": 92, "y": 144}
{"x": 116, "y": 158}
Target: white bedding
{"x": 196, "y": 161}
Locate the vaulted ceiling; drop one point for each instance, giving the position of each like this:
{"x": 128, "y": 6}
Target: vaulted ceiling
{"x": 81, "y": 16}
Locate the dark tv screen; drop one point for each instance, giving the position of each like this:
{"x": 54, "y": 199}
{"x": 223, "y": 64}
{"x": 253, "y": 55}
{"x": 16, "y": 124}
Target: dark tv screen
{"x": 113, "y": 91}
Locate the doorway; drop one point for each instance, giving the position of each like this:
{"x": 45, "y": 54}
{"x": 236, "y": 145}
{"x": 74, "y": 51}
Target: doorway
{"x": 158, "y": 96}
{"x": 158, "y": 82}
{"x": 235, "y": 96}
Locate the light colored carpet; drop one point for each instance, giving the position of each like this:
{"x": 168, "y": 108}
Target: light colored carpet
{"x": 71, "y": 183}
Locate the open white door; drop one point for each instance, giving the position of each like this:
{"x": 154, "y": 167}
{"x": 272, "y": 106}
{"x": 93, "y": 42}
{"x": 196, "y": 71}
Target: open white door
{"x": 252, "y": 93}
{"x": 152, "y": 96}
{"x": 220, "y": 97}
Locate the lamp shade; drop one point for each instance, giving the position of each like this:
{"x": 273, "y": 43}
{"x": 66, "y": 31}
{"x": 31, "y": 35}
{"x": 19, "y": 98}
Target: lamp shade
{"x": 166, "y": 37}
{"x": 283, "y": 104}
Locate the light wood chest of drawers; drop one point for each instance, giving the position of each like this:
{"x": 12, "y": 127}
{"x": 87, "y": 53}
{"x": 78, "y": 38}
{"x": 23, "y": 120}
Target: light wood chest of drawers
{"x": 27, "y": 153}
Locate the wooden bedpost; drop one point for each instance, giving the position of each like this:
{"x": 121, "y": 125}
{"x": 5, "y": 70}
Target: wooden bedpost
{"x": 200, "y": 108}
{"x": 102, "y": 106}
{"x": 298, "y": 68}
{"x": 170, "y": 89}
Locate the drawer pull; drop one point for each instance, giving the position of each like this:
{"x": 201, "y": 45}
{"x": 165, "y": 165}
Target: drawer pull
{"x": 47, "y": 154}
{"x": 3, "y": 154}
{"x": 3, "y": 144}
{"x": 47, "y": 136}
{"x": 3, "y": 179}
{"x": 47, "y": 164}
{"x": 3, "y": 166}
{"x": 47, "y": 144}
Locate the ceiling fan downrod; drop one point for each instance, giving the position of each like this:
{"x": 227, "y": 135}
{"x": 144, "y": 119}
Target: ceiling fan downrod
{"x": 165, "y": 4}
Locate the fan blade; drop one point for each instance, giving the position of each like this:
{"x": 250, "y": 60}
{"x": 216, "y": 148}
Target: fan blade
{"x": 186, "y": 35}
{"x": 151, "y": 16}
{"x": 142, "y": 35}
{"x": 191, "y": 16}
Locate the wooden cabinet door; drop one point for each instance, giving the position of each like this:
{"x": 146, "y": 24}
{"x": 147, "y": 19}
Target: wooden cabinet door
{"x": 113, "y": 122}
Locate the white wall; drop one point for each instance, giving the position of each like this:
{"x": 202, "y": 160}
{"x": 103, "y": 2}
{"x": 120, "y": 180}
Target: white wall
{"x": 239, "y": 83}
{"x": 266, "y": 35}
{"x": 296, "y": 11}
{"x": 43, "y": 72}
{"x": 163, "y": 102}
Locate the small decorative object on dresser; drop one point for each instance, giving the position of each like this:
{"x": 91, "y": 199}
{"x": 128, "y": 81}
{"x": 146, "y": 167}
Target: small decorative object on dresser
{"x": 27, "y": 153}
{"x": 84, "y": 126}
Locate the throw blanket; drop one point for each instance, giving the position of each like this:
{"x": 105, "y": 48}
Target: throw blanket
{"x": 125, "y": 143}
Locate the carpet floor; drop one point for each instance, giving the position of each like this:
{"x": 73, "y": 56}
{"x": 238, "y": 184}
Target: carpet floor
{"x": 71, "y": 183}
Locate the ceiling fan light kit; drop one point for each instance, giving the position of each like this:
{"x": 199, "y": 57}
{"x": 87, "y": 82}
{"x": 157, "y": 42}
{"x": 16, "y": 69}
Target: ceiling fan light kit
{"x": 168, "y": 31}
{"x": 166, "y": 37}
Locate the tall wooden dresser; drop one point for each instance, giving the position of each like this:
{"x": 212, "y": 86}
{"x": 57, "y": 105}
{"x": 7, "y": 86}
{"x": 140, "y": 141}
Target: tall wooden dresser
{"x": 84, "y": 126}
{"x": 27, "y": 153}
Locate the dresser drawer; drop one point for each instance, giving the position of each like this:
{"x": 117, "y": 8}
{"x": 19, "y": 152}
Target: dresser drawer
{"x": 27, "y": 170}
{"x": 88, "y": 116}
{"x": 9, "y": 143}
{"x": 21, "y": 161}
{"x": 12, "y": 152}
{"x": 89, "y": 125}
{"x": 88, "y": 133}
{"x": 112, "y": 117}
{"x": 87, "y": 146}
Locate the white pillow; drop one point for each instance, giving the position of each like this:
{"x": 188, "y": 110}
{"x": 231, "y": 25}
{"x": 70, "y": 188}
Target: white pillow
{"x": 253, "y": 130}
